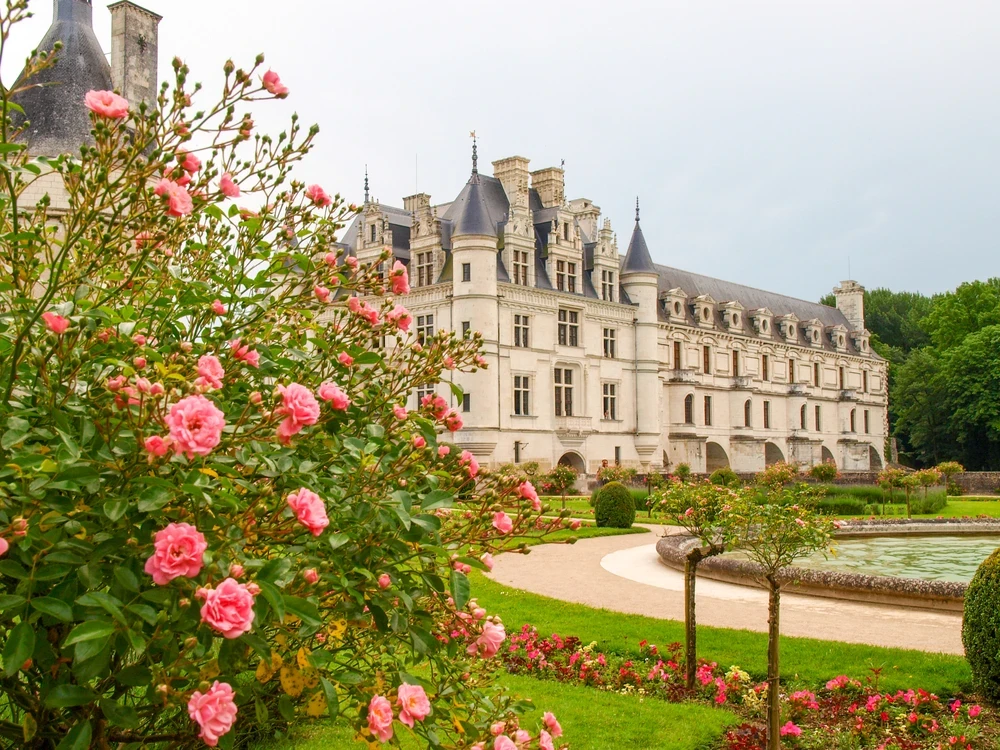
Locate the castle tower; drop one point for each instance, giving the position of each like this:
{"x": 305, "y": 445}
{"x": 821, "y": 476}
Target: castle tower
{"x": 639, "y": 279}
{"x": 134, "y": 43}
{"x": 851, "y": 301}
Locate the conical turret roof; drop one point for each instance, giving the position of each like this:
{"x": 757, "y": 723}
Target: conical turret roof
{"x": 472, "y": 212}
{"x": 637, "y": 259}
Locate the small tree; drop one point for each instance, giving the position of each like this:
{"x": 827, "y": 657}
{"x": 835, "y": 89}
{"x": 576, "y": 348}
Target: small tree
{"x": 890, "y": 479}
{"x": 774, "y": 534}
{"x": 949, "y": 469}
{"x": 824, "y": 472}
{"x": 909, "y": 482}
{"x": 696, "y": 508}
{"x": 560, "y": 479}
{"x": 778, "y": 475}
{"x": 928, "y": 478}
{"x": 683, "y": 472}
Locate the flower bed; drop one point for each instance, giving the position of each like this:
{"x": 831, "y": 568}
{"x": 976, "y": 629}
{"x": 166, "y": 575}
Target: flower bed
{"x": 845, "y": 712}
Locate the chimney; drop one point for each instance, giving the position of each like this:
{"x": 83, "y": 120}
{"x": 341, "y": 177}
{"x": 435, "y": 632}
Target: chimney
{"x": 515, "y": 178}
{"x": 134, "y": 51}
{"x": 850, "y": 297}
{"x": 75, "y": 11}
{"x": 549, "y": 184}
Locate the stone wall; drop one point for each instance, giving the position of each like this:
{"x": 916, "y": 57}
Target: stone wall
{"x": 979, "y": 482}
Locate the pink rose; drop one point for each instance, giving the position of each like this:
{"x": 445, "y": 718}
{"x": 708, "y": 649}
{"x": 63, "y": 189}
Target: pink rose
{"x": 309, "y": 509}
{"x": 974, "y": 711}
{"x": 188, "y": 161}
{"x": 195, "y": 425}
{"x": 419, "y": 442}
{"x": 310, "y": 575}
{"x": 399, "y": 412}
{"x": 236, "y": 570}
{"x": 4, "y": 546}
{"x": 502, "y": 522}
{"x": 384, "y": 581}
{"x": 545, "y": 741}
{"x": 380, "y": 718}
{"x": 453, "y": 421}
{"x": 449, "y": 362}
{"x": 218, "y": 308}
{"x": 287, "y": 428}
{"x": 521, "y": 737}
{"x": 413, "y": 704}
{"x": 354, "y": 305}
{"x": 229, "y": 188}
{"x": 140, "y": 363}
{"x": 497, "y": 727}
{"x": 345, "y": 359}
{"x": 139, "y": 340}
{"x": 228, "y": 608}
{"x": 106, "y": 104}
{"x": 790, "y": 729}
{"x": 318, "y": 196}
{"x": 503, "y": 742}
{"x": 322, "y": 293}
{"x": 179, "y": 201}
{"x": 574, "y": 524}
{"x": 210, "y": 372}
{"x": 178, "y": 550}
{"x": 273, "y": 85}
{"x": 214, "y": 711}
{"x": 244, "y": 353}
{"x": 156, "y": 446}
{"x": 116, "y": 383}
{"x": 435, "y": 404}
{"x": 399, "y": 279}
{"x": 352, "y": 262}
{"x": 443, "y": 450}
{"x": 527, "y": 491}
{"x": 330, "y": 259}
{"x": 298, "y": 404}
{"x": 489, "y": 641}
{"x": 401, "y": 317}
{"x": 549, "y": 719}
{"x": 487, "y": 560}
{"x": 256, "y": 397}
{"x": 337, "y": 398}
{"x": 466, "y": 458}
{"x": 55, "y": 323}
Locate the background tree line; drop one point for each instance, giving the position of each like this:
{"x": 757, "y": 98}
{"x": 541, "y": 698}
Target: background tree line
{"x": 944, "y": 371}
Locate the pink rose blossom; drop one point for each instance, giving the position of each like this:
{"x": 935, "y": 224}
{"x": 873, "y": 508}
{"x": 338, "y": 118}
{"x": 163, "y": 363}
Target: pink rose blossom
{"x": 384, "y": 581}
{"x": 380, "y": 718}
{"x": 107, "y": 104}
{"x": 401, "y": 317}
{"x": 521, "y": 737}
{"x": 549, "y": 719}
{"x": 256, "y": 397}
{"x": 473, "y": 465}
{"x": 545, "y": 741}
{"x": 188, "y": 161}
{"x": 345, "y": 359}
{"x": 310, "y": 575}
{"x": 399, "y": 279}
{"x": 443, "y": 450}
{"x": 228, "y": 608}
{"x": 229, "y": 188}
{"x": 244, "y": 353}
{"x": 140, "y": 363}
{"x": 419, "y": 442}
{"x": 449, "y": 362}
{"x": 413, "y": 704}
{"x": 790, "y": 729}
{"x": 352, "y": 262}
{"x": 214, "y": 711}
{"x": 218, "y": 308}
{"x": 480, "y": 360}
{"x": 574, "y": 524}
{"x": 330, "y": 259}
{"x": 178, "y": 550}
{"x": 497, "y": 727}
{"x": 974, "y": 711}
{"x": 195, "y": 425}
{"x": 179, "y": 201}
{"x": 502, "y": 522}
{"x": 299, "y": 407}
{"x": 487, "y": 560}
{"x": 322, "y": 293}
{"x": 527, "y": 491}
{"x": 273, "y": 85}
{"x": 4, "y": 546}
{"x": 210, "y": 372}
{"x": 435, "y": 404}
{"x": 503, "y": 742}
{"x": 55, "y": 323}
{"x": 318, "y": 196}
{"x": 453, "y": 421}
{"x": 139, "y": 340}
{"x": 116, "y": 383}
{"x": 399, "y": 412}
{"x": 236, "y": 570}
{"x": 156, "y": 446}
{"x": 309, "y": 509}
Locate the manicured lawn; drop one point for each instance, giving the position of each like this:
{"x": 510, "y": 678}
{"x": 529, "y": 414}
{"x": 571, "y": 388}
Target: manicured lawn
{"x": 804, "y": 661}
{"x": 591, "y": 719}
{"x": 584, "y": 532}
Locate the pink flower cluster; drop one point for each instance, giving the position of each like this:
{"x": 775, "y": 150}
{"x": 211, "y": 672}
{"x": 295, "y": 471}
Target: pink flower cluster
{"x": 309, "y": 509}
{"x": 414, "y": 706}
{"x": 178, "y": 551}
{"x": 243, "y": 353}
{"x": 299, "y": 408}
{"x": 214, "y": 711}
{"x": 195, "y": 426}
{"x": 363, "y": 310}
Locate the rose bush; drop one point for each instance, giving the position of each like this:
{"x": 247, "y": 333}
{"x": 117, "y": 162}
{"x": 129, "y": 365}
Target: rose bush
{"x": 217, "y": 513}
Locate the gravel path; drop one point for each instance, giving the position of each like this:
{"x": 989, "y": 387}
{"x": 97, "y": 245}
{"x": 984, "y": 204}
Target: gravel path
{"x": 623, "y": 574}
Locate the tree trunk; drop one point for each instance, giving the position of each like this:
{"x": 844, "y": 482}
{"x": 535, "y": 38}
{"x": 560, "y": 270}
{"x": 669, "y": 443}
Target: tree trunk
{"x": 907, "y": 502}
{"x": 690, "y": 625}
{"x": 773, "y": 706}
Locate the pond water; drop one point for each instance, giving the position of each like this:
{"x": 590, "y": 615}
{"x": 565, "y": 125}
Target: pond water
{"x": 932, "y": 558}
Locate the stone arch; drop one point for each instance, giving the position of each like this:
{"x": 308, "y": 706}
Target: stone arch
{"x": 772, "y": 454}
{"x": 715, "y": 457}
{"x": 874, "y": 459}
{"x": 827, "y": 456}
{"x": 574, "y": 460}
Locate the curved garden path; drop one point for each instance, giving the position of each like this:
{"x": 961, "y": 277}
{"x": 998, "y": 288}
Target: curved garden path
{"x": 623, "y": 574}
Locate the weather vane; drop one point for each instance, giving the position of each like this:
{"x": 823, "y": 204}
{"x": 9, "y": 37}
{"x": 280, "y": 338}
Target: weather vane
{"x": 475, "y": 155}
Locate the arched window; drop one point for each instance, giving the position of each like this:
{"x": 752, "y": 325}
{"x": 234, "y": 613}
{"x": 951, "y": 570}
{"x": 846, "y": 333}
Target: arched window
{"x": 689, "y": 409}
{"x": 747, "y": 413}
{"x": 802, "y": 416}
{"x": 854, "y": 419}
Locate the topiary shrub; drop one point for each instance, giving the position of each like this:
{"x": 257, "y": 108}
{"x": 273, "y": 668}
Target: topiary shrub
{"x": 981, "y": 628}
{"x": 615, "y": 507}
{"x": 725, "y": 477}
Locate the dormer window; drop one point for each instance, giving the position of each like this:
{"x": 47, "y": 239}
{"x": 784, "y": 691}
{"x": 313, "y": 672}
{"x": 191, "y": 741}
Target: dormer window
{"x": 674, "y": 302}
{"x": 761, "y": 319}
{"x": 565, "y": 276}
{"x": 860, "y": 339}
{"x": 813, "y": 329}
{"x": 373, "y": 232}
{"x": 704, "y": 310}
{"x": 519, "y": 266}
{"x": 566, "y": 231}
{"x": 732, "y": 315}
{"x": 838, "y": 336}
{"x": 787, "y": 326}
{"x": 677, "y": 308}
{"x": 607, "y": 285}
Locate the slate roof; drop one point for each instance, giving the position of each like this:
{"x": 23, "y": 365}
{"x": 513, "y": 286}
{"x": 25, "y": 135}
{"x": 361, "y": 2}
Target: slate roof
{"x": 59, "y": 119}
{"x": 472, "y": 212}
{"x": 637, "y": 258}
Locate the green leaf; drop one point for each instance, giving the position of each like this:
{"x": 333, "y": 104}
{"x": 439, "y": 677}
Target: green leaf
{"x": 12, "y": 438}
{"x": 272, "y": 595}
{"x": 64, "y": 696}
{"x": 119, "y": 715}
{"x": 57, "y": 608}
{"x": 260, "y": 711}
{"x": 77, "y": 738}
{"x": 154, "y": 498}
{"x": 144, "y": 611}
{"x": 457, "y": 390}
{"x": 460, "y": 589}
{"x": 286, "y": 708}
{"x": 18, "y": 648}
{"x": 89, "y": 631}
{"x": 9, "y": 601}
{"x": 423, "y": 642}
{"x": 115, "y": 508}
{"x": 332, "y": 702}
{"x": 437, "y": 499}
{"x": 338, "y": 540}
{"x": 305, "y": 611}
{"x": 127, "y": 579}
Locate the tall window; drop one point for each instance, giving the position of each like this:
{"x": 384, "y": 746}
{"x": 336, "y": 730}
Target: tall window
{"x": 373, "y": 232}
{"x": 736, "y": 364}
{"x": 767, "y": 415}
{"x": 765, "y": 367}
{"x": 610, "y": 401}
{"x": 466, "y": 402}
{"x": 802, "y": 417}
{"x": 747, "y": 413}
{"x": 840, "y": 377}
{"x": 677, "y": 355}
{"x": 706, "y": 359}
{"x": 867, "y": 423}
{"x": 522, "y": 395}
{"x": 466, "y": 272}
{"x": 569, "y": 328}
{"x": 424, "y": 390}
{"x": 520, "y": 267}
{"x": 816, "y": 381}
{"x": 609, "y": 343}
{"x": 689, "y": 409}
{"x": 864, "y": 380}
{"x": 608, "y": 285}
{"x": 819, "y": 420}
{"x": 571, "y": 277}
{"x": 566, "y": 231}
{"x": 425, "y": 265}
{"x": 854, "y": 419}
{"x": 425, "y": 327}
{"x": 521, "y": 331}
{"x": 708, "y": 410}
{"x": 564, "y": 392}
{"x": 791, "y": 371}
{"x": 561, "y": 275}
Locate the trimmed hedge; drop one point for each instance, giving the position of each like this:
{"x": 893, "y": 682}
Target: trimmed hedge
{"x": 615, "y": 508}
{"x": 841, "y": 506}
{"x": 981, "y": 628}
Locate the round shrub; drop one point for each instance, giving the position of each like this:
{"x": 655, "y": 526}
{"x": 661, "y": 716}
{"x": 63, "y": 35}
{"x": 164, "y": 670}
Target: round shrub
{"x": 615, "y": 507}
{"x": 824, "y": 472}
{"x": 725, "y": 477}
{"x": 981, "y": 628}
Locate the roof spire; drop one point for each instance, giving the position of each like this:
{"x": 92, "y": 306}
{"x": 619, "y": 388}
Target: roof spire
{"x": 366, "y": 183}
{"x": 637, "y": 259}
{"x": 475, "y": 153}
{"x": 637, "y": 209}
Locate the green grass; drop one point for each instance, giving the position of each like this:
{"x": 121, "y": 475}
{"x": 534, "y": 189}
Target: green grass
{"x": 806, "y": 661}
{"x": 591, "y": 719}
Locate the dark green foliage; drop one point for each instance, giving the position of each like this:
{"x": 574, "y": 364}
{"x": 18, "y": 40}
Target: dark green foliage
{"x": 841, "y": 506}
{"x": 843, "y": 500}
{"x": 981, "y": 628}
{"x": 615, "y": 507}
{"x": 725, "y": 477}
{"x": 824, "y": 472}
{"x": 955, "y": 490}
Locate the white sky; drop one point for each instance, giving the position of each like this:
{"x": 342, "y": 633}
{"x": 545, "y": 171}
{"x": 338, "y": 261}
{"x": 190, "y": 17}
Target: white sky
{"x": 768, "y": 140}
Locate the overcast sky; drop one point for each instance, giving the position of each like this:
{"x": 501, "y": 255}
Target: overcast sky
{"x": 768, "y": 141}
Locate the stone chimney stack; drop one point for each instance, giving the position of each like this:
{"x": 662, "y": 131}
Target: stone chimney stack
{"x": 850, "y": 297}
{"x": 549, "y": 183}
{"x": 134, "y": 51}
{"x": 514, "y": 176}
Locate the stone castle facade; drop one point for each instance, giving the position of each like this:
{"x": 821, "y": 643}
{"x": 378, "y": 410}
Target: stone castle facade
{"x": 596, "y": 357}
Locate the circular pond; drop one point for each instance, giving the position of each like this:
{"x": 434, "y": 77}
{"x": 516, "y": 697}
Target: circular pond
{"x": 930, "y": 558}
